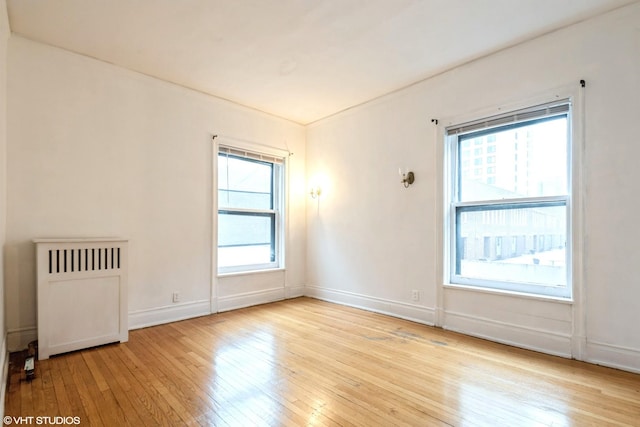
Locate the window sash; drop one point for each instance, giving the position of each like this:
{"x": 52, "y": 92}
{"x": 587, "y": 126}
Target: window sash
{"x": 238, "y": 190}
{"x": 272, "y": 215}
{"x": 276, "y": 188}
{"x": 501, "y": 208}
{"x": 458, "y": 134}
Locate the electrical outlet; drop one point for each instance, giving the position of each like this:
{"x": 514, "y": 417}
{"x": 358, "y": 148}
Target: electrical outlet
{"x": 415, "y": 295}
{"x": 176, "y": 297}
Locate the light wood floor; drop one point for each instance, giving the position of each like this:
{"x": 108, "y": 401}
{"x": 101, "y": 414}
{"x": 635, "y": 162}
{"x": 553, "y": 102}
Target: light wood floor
{"x": 307, "y": 362}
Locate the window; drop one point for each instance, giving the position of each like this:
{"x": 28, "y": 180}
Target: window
{"x": 531, "y": 216}
{"x": 250, "y": 187}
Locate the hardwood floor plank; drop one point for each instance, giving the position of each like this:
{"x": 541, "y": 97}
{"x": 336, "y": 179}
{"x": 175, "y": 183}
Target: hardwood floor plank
{"x": 61, "y": 396}
{"x": 152, "y": 391}
{"x": 91, "y": 396}
{"x": 73, "y": 395}
{"x": 112, "y": 377}
{"x": 309, "y": 362}
{"x": 147, "y": 404}
{"x": 96, "y": 373}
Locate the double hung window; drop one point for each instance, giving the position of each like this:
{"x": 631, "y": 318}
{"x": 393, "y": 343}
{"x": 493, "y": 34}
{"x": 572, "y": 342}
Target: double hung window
{"x": 510, "y": 201}
{"x": 250, "y": 187}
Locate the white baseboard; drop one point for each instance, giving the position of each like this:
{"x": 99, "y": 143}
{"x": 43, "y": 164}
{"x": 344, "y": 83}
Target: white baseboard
{"x": 4, "y": 354}
{"x": 294, "y": 291}
{"x": 526, "y": 337}
{"x": 613, "y": 356}
{"x": 247, "y": 299}
{"x": 19, "y": 338}
{"x": 166, "y": 314}
{"x": 412, "y": 312}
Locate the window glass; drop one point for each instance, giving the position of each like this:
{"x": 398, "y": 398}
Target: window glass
{"x": 248, "y": 213}
{"x": 510, "y": 221}
{"x": 244, "y": 183}
{"x": 245, "y": 239}
{"x": 535, "y": 168}
{"x": 537, "y": 251}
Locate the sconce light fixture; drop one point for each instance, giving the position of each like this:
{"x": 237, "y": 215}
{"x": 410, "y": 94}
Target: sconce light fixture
{"x": 408, "y": 178}
{"x": 315, "y": 192}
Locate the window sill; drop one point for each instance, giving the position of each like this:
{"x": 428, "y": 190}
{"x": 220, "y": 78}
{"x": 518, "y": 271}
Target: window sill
{"x": 515, "y": 294}
{"x": 251, "y": 272}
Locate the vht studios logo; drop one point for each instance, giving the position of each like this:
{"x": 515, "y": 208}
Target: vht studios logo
{"x": 49, "y": 421}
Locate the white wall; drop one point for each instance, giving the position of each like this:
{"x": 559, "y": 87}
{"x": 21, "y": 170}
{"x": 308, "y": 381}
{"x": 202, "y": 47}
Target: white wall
{"x": 371, "y": 242}
{"x": 4, "y": 38}
{"x": 96, "y": 150}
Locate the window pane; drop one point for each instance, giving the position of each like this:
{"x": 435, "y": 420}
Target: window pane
{"x": 244, "y": 199}
{"x": 530, "y": 161}
{"x": 512, "y": 243}
{"x": 244, "y": 183}
{"x": 245, "y": 238}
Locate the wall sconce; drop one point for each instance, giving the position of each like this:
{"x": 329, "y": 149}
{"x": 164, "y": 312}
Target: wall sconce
{"x": 315, "y": 192}
{"x": 408, "y": 178}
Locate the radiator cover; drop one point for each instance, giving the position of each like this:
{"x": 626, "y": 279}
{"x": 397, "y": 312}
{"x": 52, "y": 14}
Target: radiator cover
{"x": 82, "y": 293}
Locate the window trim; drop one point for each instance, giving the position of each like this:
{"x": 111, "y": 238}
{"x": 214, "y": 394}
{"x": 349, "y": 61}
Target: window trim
{"x": 567, "y": 94}
{"x": 256, "y": 152}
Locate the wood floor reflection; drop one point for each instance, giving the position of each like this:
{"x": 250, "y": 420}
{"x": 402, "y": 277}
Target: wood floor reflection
{"x": 307, "y": 362}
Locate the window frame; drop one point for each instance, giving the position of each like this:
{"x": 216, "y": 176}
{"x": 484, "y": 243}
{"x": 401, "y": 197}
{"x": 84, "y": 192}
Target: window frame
{"x": 278, "y": 194}
{"x": 453, "y": 207}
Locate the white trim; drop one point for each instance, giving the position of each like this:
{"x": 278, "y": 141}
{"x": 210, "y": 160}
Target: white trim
{"x": 250, "y": 272}
{"x": 402, "y": 310}
{"x": 574, "y": 94}
{"x": 578, "y": 192}
{"x": 253, "y": 146}
{"x": 285, "y": 204}
{"x": 613, "y": 356}
{"x": 519, "y": 201}
{"x": 248, "y": 299}
{"x": 442, "y": 161}
{"x": 510, "y": 117}
{"x": 503, "y": 292}
{"x": 278, "y": 200}
{"x": 217, "y": 303}
{"x": 167, "y": 314}
{"x": 536, "y": 339}
{"x": 561, "y": 92}
{"x": 454, "y": 206}
{"x": 213, "y": 306}
{"x": 294, "y": 291}
{"x": 82, "y": 240}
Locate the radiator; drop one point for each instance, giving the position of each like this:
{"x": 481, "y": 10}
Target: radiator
{"x": 82, "y": 293}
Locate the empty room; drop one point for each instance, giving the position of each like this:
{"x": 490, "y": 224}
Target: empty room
{"x": 319, "y": 212}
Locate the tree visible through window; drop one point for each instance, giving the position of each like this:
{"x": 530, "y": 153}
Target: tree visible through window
{"x": 510, "y": 222}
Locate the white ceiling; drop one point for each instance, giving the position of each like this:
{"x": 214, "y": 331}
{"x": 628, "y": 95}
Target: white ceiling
{"x": 299, "y": 59}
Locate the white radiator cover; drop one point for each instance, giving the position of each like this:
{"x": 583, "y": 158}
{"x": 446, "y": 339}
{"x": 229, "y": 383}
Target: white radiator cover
{"x": 82, "y": 293}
